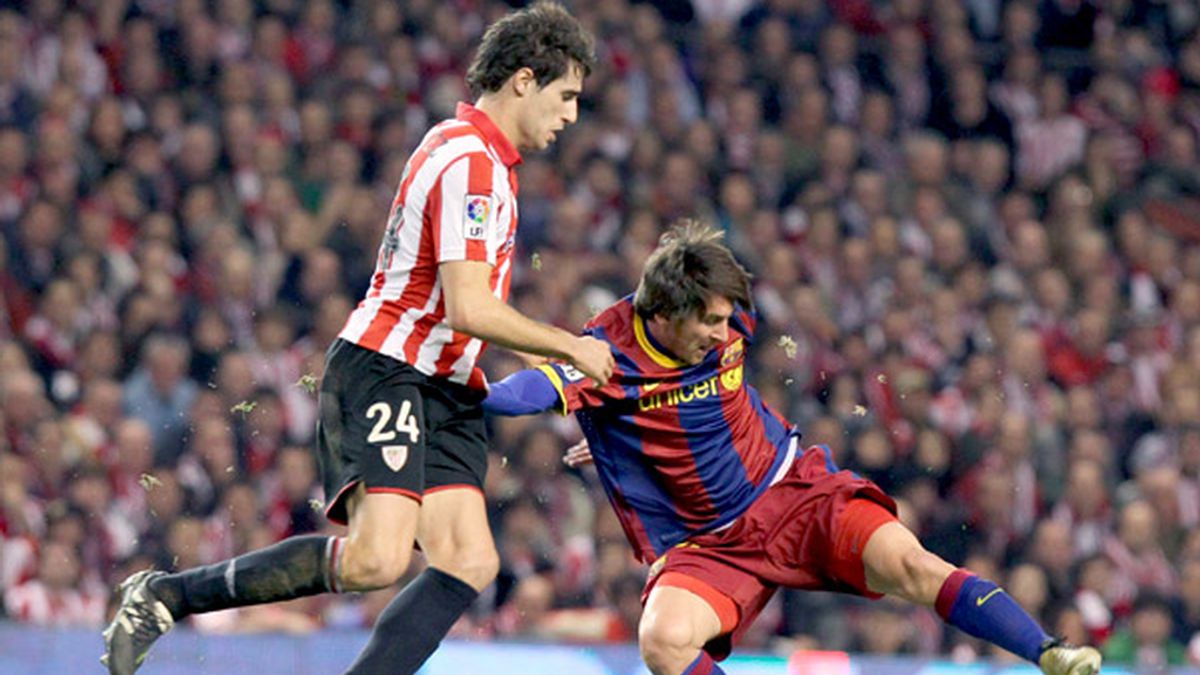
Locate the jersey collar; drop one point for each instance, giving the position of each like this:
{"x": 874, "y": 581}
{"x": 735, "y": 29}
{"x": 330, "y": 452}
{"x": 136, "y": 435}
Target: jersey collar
{"x": 491, "y": 133}
{"x": 646, "y": 342}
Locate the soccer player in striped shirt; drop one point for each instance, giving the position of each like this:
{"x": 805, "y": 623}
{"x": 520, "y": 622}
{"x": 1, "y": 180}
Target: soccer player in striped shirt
{"x": 401, "y": 435}
{"x": 714, "y": 490}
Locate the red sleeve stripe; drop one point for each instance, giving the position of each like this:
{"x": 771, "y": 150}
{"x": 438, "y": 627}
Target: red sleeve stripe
{"x": 479, "y": 177}
{"x": 479, "y": 182}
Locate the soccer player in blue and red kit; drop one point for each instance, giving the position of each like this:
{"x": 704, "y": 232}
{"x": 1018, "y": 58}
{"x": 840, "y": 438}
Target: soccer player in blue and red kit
{"x": 714, "y": 489}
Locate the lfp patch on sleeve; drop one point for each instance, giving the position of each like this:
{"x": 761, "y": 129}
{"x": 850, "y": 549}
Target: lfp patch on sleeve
{"x": 571, "y": 373}
{"x": 477, "y": 211}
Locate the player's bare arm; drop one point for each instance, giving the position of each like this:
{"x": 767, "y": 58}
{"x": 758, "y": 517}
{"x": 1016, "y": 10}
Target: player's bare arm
{"x": 471, "y": 308}
{"x": 530, "y": 360}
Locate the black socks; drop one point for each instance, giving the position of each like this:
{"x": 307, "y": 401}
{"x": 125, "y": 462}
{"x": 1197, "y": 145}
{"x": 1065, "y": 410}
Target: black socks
{"x": 293, "y": 568}
{"x": 407, "y": 632}
{"x": 414, "y": 623}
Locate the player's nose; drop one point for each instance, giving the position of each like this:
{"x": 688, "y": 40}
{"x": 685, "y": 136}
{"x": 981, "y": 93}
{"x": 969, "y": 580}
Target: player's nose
{"x": 722, "y": 332}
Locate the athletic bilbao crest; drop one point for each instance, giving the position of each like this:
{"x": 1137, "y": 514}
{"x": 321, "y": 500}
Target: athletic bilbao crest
{"x": 395, "y": 456}
{"x": 478, "y": 208}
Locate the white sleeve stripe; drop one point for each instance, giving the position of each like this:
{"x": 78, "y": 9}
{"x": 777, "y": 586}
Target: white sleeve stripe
{"x": 453, "y": 191}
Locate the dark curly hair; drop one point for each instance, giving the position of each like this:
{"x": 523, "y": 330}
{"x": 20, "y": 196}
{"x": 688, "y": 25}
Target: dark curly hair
{"x": 543, "y": 37}
{"x": 690, "y": 265}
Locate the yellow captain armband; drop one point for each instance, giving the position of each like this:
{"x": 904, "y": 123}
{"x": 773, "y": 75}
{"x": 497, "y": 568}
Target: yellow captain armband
{"x": 552, "y": 375}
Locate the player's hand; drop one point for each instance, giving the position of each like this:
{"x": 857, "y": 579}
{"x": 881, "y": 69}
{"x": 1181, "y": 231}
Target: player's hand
{"x": 593, "y": 358}
{"x": 578, "y": 455}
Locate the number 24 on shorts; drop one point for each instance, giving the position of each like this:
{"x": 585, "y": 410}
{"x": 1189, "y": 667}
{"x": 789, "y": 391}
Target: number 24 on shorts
{"x": 395, "y": 456}
{"x": 406, "y": 422}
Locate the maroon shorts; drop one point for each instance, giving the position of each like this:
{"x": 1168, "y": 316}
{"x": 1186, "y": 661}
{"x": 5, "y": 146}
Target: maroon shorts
{"x": 807, "y": 532}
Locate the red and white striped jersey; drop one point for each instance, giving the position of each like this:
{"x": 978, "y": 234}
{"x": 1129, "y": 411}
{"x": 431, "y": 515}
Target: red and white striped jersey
{"x": 457, "y": 201}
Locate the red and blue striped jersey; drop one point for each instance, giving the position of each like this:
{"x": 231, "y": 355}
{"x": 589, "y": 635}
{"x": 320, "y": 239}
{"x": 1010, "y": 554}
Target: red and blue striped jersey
{"x": 681, "y": 449}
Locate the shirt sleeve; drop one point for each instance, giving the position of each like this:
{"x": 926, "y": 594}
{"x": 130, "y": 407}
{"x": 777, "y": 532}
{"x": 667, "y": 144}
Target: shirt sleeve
{"x": 577, "y": 391}
{"x": 745, "y": 321}
{"x": 463, "y": 208}
{"x": 525, "y": 392}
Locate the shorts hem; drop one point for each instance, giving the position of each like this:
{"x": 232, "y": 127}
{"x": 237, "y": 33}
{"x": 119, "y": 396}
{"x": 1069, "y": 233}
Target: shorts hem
{"x": 724, "y": 606}
{"x": 335, "y": 510}
{"x": 411, "y": 494}
{"x": 857, "y": 523}
{"x": 452, "y": 486}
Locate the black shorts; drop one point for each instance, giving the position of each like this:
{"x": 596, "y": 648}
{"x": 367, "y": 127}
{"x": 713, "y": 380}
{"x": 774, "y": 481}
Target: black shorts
{"x": 395, "y": 429}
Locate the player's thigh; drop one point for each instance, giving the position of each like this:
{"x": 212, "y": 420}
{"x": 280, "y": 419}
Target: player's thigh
{"x": 379, "y": 544}
{"x": 455, "y": 536}
{"x": 895, "y": 563}
{"x": 720, "y": 570}
{"x": 454, "y": 531}
{"x": 677, "y": 618}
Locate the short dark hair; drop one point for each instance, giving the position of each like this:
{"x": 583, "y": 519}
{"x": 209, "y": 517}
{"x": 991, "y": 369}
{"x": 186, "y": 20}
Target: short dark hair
{"x": 543, "y": 37}
{"x": 690, "y": 266}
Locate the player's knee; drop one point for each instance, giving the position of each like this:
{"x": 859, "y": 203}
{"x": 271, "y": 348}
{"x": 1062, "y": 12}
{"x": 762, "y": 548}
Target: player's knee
{"x": 477, "y": 566}
{"x": 666, "y": 646}
{"x": 919, "y": 575}
{"x": 365, "y": 568}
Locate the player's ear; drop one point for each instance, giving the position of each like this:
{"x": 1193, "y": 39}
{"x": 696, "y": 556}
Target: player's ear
{"x": 523, "y": 82}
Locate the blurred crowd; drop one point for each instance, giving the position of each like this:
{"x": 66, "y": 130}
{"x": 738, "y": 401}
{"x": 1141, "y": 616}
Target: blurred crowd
{"x": 974, "y": 227}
